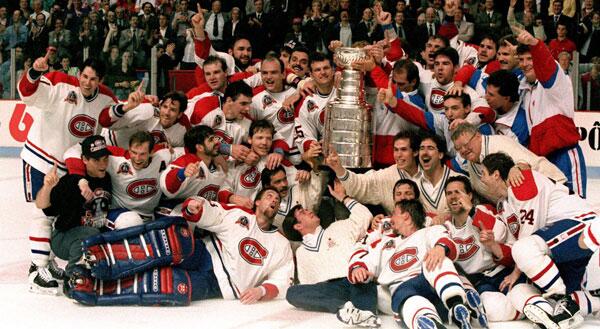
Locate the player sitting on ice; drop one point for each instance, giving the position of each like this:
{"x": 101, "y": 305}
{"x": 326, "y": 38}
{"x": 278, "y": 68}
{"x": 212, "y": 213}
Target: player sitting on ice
{"x": 417, "y": 269}
{"x": 161, "y": 263}
{"x": 485, "y": 257}
{"x": 546, "y": 222}
{"x": 135, "y": 175}
{"x": 79, "y": 202}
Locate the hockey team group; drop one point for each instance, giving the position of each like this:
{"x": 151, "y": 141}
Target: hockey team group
{"x": 477, "y": 213}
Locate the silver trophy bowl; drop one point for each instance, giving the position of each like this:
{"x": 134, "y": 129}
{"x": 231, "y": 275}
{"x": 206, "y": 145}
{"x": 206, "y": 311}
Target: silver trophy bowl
{"x": 348, "y": 123}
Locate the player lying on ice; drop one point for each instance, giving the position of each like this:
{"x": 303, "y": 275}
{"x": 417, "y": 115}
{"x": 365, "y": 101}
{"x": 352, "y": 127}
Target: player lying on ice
{"x": 161, "y": 263}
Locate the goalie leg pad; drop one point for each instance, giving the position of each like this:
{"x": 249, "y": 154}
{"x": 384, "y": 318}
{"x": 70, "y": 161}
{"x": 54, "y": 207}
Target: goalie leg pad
{"x": 122, "y": 253}
{"x": 167, "y": 286}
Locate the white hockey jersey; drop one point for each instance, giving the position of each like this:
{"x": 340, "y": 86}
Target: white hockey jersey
{"x": 244, "y": 256}
{"x": 310, "y": 120}
{"x": 537, "y": 203}
{"x": 145, "y": 117}
{"x": 324, "y": 254}
{"x": 375, "y": 186}
{"x": 396, "y": 260}
{"x": 175, "y": 185}
{"x": 434, "y": 99}
{"x": 268, "y": 106}
{"x": 472, "y": 255}
{"x": 63, "y": 117}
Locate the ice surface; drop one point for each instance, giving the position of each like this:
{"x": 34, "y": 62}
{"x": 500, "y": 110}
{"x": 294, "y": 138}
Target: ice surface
{"x": 21, "y": 309}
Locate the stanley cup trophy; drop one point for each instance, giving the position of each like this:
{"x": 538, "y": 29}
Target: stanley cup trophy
{"x": 347, "y": 119}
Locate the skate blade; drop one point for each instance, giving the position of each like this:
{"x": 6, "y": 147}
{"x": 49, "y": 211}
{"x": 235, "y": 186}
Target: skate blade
{"x": 539, "y": 316}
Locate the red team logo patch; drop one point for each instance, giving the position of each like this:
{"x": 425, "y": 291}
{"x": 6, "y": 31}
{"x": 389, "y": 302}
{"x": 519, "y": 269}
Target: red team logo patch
{"x": 159, "y": 136}
{"x": 513, "y": 225}
{"x": 209, "y": 192}
{"x": 182, "y": 289}
{"x": 252, "y": 251}
{"x": 403, "y": 260}
{"x": 224, "y": 136}
{"x": 311, "y": 106}
{"x": 266, "y": 101}
{"x": 142, "y": 189}
{"x": 250, "y": 178}
{"x": 82, "y": 126}
{"x": 285, "y": 116}
{"x": 466, "y": 247}
{"x": 436, "y": 99}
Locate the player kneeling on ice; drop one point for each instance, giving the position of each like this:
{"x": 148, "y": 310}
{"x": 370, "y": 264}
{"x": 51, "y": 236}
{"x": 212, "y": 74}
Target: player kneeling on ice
{"x": 160, "y": 263}
{"x": 80, "y": 213}
{"x": 417, "y": 269}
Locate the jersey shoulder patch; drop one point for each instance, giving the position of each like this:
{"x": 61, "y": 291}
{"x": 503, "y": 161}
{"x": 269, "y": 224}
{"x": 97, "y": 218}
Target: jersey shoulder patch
{"x": 528, "y": 189}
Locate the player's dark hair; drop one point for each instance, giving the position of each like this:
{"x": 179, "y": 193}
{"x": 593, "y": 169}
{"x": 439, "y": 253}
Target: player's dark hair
{"x": 412, "y": 71}
{"x": 409, "y": 182}
{"x": 260, "y": 194}
{"x": 196, "y": 135}
{"x": 506, "y": 82}
{"x": 96, "y": 65}
{"x": 259, "y": 125}
{"x": 238, "y": 38}
{"x": 441, "y": 38}
{"x": 463, "y": 179}
{"x": 266, "y": 174}
{"x": 141, "y": 137}
{"x": 439, "y": 142}
{"x": 237, "y": 88}
{"x": 214, "y": 60}
{"x": 301, "y": 49}
{"x": 415, "y": 209}
{"x": 498, "y": 161}
{"x": 465, "y": 99}
{"x": 449, "y": 52}
{"x": 523, "y": 49}
{"x": 492, "y": 38}
{"x": 316, "y": 57}
{"x": 505, "y": 40}
{"x": 176, "y": 96}
{"x": 413, "y": 137}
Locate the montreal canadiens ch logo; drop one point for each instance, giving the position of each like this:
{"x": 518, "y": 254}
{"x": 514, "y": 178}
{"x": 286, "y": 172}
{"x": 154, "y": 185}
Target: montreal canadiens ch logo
{"x": 141, "y": 189}
{"x": 250, "y": 178}
{"x": 252, "y": 251}
{"x": 82, "y": 126}
{"x": 436, "y": 99}
{"x": 285, "y": 116}
{"x": 209, "y": 192}
{"x": 224, "y": 136}
{"x": 403, "y": 260}
{"x": 466, "y": 247}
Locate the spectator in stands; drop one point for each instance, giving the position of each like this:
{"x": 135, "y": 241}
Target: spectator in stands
{"x": 297, "y": 35}
{"x": 121, "y": 19}
{"x": 529, "y": 7}
{"x": 38, "y": 9}
{"x": 425, "y": 31}
{"x": 147, "y": 18}
{"x": 25, "y": 10}
{"x": 166, "y": 61}
{"x": 556, "y": 16}
{"x": 3, "y": 18}
{"x": 163, "y": 34}
{"x": 123, "y": 80}
{"x": 489, "y": 20}
{"x": 259, "y": 24}
{"x": 235, "y": 27}
{"x": 14, "y": 34}
{"x": 111, "y": 57}
{"x": 37, "y": 42}
{"x": 181, "y": 18}
{"x": 215, "y": 22}
{"x": 590, "y": 37}
{"x": 539, "y": 30}
{"x": 96, "y": 25}
{"x": 61, "y": 39}
{"x": 5, "y": 71}
{"x": 403, "y": 30}
{"x": 562, "y": 42}
{"x": 367, "y": 29}
{"x": 564, "y": 61}
{"x": 75, "y": 14}
{"x": 87, "y": 39}
{"x": 65, "y": 67}
{"x": 590, "y": 85}
{"x": 465, "y": 29}
{"x": 132, "y": 40}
